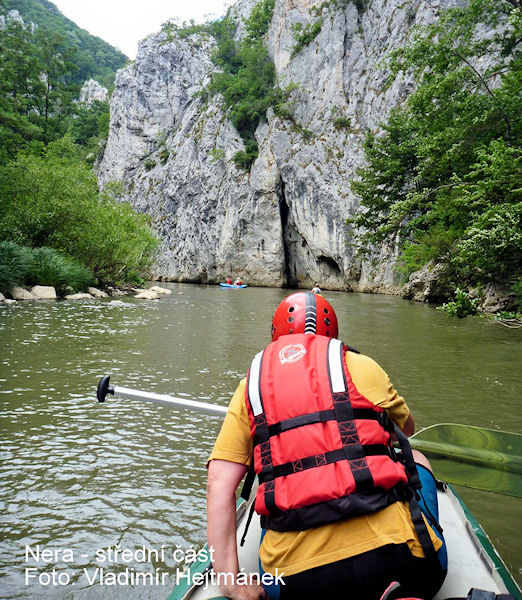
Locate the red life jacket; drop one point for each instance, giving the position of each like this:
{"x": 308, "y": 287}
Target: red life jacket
{"x": 322, "y": 451}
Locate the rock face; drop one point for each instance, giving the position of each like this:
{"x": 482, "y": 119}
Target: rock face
{"x": 91, "y": 91}
{"x": 282, "y": 223}
{"x": 430, "y": 284}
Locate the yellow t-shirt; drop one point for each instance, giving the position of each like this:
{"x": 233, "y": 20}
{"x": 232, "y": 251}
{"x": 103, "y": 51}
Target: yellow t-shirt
{"x": 295, "y": 551}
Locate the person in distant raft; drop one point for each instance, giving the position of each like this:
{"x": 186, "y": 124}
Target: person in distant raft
{"x": 316, "y": 289}
{"x": 238, "y": 281}
{"x": 338, "y": 506}
{"x": 228, "y": 280}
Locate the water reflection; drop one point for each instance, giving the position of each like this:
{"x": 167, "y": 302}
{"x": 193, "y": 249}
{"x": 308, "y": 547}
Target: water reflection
{"x": 82, "y": 476}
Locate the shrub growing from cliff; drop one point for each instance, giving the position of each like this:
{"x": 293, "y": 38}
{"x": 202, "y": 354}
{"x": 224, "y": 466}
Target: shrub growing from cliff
{"x": 247, "y": 79}
{"x": 305, "y": 35}
{"x": 445, "y": 173}
{"x": 53, "y": 200}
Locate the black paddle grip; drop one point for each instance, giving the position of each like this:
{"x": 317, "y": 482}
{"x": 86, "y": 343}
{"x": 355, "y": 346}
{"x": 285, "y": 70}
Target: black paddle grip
{"x": 104, "y": 388}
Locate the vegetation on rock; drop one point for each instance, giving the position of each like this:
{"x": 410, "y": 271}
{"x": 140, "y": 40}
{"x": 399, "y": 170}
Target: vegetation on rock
{"x": 93, "y": 57}
{"x": 55, "y": 225}
{"x": 247, "y": 77}
{"x": 444, "y": 177}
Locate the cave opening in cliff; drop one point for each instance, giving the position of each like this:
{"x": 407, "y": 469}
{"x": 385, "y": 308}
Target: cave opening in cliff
{"x": 329, "y": 266}
{"x": 283, "y": 215}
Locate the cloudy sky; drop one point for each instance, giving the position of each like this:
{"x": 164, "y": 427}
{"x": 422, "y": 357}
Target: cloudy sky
{"x": 123, "y": 23}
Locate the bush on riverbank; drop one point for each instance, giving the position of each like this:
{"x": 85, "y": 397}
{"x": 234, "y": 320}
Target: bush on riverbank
{"x": 49, "y": 267}
{"x": 443, "y": 176}
{"x": 21, "y": 266}
{"x": 15, "y": 262}
{"x": 53, "y": 200}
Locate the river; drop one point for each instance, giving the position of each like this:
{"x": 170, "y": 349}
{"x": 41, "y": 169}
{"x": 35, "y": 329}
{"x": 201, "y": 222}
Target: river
{"x": 79, "y": 477}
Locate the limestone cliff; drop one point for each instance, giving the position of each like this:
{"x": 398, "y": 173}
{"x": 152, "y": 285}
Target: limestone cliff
{"x": 283, "y": 222}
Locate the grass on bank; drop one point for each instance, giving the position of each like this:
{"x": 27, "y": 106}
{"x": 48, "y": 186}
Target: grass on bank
{"x": 22, "y": 266}
{"x": 72, "y": 233}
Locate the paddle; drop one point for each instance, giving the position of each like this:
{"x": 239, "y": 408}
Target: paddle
{"x": 475, "y": 457}
{"x": 484, "y": 459}
{"x": 104, "y": 388}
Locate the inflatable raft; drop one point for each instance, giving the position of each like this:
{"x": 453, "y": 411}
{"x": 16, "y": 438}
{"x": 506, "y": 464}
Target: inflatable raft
{"x": 473, "y": 561}
{"x": 233, "y": 286}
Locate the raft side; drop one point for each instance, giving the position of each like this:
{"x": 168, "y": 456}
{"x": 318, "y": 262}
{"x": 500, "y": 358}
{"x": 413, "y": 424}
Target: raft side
{"x": 473, "y": 561}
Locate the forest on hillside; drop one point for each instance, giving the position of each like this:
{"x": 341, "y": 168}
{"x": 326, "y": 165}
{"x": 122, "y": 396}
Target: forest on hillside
{"x": 94, "y": 58}
{"x": 56, "y": 227}
{"x": 443, "y": 178}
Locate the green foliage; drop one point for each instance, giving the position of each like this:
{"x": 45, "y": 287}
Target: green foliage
{"x": 217, "y": 154}
{"x": 53, "y": 200}
{"x": 15, "y": 263}
{"x": 342, "y": 123}
{"x": 149, "y": 163}
{"x": 20, "y": 91}
{"x": 37, "y": 84}
{"x": 94, "y": 58}
{"x": 65, "y": 274}
{"x": 20, "y": 265}
{"x": 243, "y": 159}
{"x": 91, "y": 123}
{"x": 259, "y": 21}
{"x": 445, "y": 174}
{"x": 164, "y": 155}
{"x": 462, "y": 306}
{"x": 247, "y": 80}
{"x": 304, "y": 35}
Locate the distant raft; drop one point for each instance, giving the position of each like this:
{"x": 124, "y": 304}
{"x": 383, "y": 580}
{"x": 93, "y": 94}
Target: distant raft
{"x": 233, "y": 286}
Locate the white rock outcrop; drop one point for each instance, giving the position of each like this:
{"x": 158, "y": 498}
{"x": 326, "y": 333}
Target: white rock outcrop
{"x": 20, "y": 293}
{"x": 283, "y": 222}
{"x": 96, "y": 292}
{"x": 91, "y": 91}
{"x": 78, "y": 296}
{"x": 160, "y": 290}
{"x": 147, "y": 295}
{"x": 43, "y": 292}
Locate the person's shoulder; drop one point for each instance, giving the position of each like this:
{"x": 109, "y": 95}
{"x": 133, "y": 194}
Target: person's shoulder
{"x": 355, "y": 357}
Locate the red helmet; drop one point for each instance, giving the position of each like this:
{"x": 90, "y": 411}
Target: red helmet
{"x": 304, "y": 312}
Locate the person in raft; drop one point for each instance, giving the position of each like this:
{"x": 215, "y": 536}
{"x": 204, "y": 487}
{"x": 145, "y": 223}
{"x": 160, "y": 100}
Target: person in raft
{"x": 228, "y": 280}
{"x": 316, "y": 289}
{"x": 338, "y": 505}
{"x": 238, "y": 281}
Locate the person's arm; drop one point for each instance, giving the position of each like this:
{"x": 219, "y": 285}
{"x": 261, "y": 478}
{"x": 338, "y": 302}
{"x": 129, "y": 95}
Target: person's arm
{"x": 223, "y": 479}
{"x": 409, "y": 426}
{"x": 373, "y": 382}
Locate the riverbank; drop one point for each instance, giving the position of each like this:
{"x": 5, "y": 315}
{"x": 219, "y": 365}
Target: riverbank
{"x": 45, "y": 292}
{"x": 491, "y": 303}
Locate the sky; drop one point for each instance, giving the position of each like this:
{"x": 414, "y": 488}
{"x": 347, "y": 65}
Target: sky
{"x": 123, "y": 23}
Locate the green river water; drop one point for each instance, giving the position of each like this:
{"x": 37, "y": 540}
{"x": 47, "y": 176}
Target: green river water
{"x": 78, "y": 477}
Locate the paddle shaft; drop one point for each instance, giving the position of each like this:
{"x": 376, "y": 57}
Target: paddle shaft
{"x": 485, "y": 458}
{"x": 163, "y": 399}
{"x": 507, "y": 464}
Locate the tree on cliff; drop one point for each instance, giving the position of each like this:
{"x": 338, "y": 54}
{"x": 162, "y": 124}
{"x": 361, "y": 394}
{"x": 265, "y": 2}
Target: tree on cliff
{"x": 444, "y": 175}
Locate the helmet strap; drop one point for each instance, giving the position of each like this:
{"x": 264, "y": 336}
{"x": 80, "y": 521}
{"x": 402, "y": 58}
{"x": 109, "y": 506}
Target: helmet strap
{"x": 310, "y": 313}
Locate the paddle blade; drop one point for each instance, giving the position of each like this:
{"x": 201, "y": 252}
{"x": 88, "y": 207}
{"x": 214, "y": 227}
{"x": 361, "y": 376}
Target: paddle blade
{"x": 474, "y": 457}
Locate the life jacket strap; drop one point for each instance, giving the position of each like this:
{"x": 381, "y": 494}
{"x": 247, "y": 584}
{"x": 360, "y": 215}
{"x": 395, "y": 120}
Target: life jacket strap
{"x": 249, "y": 482}
{"x": 318, "y": 460}
{"x": 344, "y": 414}
{"x": 312, "y": 418}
